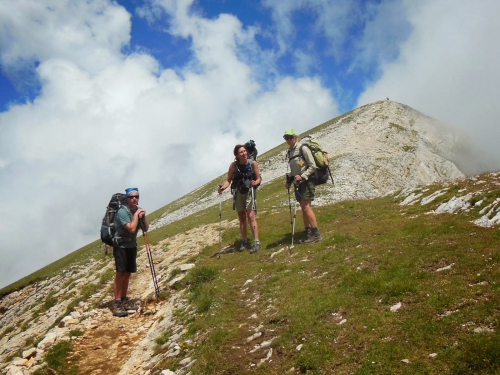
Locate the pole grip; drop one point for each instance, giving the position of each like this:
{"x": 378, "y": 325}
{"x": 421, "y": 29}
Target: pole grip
{"x": 142, "y": 225}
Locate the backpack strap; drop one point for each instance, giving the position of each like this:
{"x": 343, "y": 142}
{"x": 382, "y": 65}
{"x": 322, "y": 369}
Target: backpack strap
{"x": 301, "y": 155}
{"x": 242, "y": 174}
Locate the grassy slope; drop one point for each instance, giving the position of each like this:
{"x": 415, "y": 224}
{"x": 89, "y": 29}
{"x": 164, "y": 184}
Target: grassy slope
{"x": 375, "y": 254}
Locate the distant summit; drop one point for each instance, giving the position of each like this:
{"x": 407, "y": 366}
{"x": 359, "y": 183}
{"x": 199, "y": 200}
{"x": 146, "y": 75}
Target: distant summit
{"x": 386, "y": 146}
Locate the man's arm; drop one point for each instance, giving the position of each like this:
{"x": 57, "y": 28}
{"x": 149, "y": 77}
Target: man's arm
{"x": 132, "y": 225}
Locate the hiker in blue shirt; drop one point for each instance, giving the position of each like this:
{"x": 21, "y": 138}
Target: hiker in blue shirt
{"x": 128, "y": 220}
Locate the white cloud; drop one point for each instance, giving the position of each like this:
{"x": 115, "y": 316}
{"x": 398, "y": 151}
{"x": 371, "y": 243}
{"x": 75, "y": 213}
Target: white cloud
{"x": 386, "y": 28}
{"x": 89, "y": 33}
{"x": 359, "y": 34}
{"x": 448, "y": 68}
{"x": 333, "y": 20}
{"x": 304, "y": 61}
{"x": 105, "y": 121}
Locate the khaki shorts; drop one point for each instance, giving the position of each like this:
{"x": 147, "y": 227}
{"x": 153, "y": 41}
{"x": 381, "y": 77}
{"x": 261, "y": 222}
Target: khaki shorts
{"x": 305, "y": 191}
{"x": 244, "y": 201}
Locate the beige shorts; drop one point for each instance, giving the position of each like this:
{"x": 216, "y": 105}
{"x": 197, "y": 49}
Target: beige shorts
{"x": 244, "y": 201}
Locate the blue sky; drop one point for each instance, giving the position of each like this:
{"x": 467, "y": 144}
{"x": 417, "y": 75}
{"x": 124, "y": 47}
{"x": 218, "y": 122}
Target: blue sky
{"x": 298, "y": 43}
{"x": 99, "y": 95}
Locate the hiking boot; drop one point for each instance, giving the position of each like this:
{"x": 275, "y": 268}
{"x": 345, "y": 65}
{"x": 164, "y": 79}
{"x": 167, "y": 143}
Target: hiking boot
{"x": 128, "y": 304}
{"x": 313, "y": 237}
{"x": 245, "y": 244}
{"x": 118, "y": 310}
{"x": 307, "y": 234}
{"x": 256, "y": 247}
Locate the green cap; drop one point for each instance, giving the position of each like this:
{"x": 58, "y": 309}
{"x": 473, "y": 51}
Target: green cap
{"x": 290, "y": 132}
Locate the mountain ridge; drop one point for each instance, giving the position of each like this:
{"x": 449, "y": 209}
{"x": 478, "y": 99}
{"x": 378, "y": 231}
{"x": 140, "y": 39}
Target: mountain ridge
{"x": 378, "y": 141}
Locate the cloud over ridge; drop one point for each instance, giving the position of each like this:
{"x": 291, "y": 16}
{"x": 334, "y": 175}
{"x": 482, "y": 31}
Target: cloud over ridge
{"x": 105, "y": 120}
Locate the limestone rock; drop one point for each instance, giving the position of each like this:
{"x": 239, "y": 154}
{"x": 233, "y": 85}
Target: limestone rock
{"x": 30, "y": 353}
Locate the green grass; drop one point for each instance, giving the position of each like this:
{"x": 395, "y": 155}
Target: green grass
{"x": 375, "y": 254}
{"x": 58, "y": 359}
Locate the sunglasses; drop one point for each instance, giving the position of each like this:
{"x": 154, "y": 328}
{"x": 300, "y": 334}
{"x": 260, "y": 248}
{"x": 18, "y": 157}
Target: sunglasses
{"x": 133, "y": 196}
{"x": 288, "y": 137}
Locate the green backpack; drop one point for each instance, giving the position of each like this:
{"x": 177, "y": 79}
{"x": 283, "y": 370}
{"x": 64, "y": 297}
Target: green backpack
{"x": 320, "y": 156}
{"x": 323, "y": 173}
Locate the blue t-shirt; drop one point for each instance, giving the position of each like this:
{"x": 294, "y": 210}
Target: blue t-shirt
{"x": 124, "y": 216}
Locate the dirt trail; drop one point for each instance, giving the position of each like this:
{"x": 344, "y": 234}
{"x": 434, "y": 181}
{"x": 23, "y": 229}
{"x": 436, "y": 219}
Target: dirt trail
{"x": 112, "y": 345}
{"x": 105, "y": 348}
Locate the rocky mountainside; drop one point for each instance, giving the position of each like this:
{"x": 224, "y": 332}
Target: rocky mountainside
{"x": 375, "y": 150}
{"x": 45, "y": 314}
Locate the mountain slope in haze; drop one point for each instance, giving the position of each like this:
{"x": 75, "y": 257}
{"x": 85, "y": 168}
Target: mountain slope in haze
{"x": 373, "y": 150}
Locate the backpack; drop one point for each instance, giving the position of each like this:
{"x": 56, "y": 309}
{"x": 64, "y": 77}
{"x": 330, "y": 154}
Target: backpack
{"x": 323, "y": 172}
{"x": 241, "y": 178}
{"x": 108, "y": 229}
{"x": 252, "y": 150}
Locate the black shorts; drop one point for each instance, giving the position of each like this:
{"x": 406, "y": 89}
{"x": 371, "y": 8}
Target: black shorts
{"x": 125, "y": 259}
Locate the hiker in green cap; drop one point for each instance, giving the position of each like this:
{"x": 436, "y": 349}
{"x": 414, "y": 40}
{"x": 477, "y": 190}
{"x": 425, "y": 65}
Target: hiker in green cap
{"x": 302, "y": 168}
{"x": 244, "y": 178}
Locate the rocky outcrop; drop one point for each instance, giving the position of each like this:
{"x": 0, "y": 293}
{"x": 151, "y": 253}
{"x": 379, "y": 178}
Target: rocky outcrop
{"x": 464, "y": 201}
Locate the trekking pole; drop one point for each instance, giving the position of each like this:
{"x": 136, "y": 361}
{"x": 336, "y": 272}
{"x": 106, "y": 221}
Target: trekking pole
{"x": 254, "y": 208}
{"x": 293, "y": 224}
{"x": 330, "y": 172}
{"x": 254, "y": 204}
{"x": 220, "y": 220}
{"x": 150, "y": 258}
{"x": 291, "y": 219}
{"x": 294, "y": 215}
